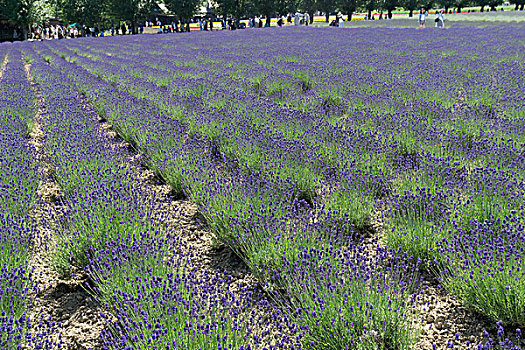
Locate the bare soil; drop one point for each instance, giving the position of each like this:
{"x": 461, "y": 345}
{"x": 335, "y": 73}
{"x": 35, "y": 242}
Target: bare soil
{"x": 63, "y": 302}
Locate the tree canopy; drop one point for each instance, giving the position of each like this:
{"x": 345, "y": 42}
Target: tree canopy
{"x": 25, "y": 12}
{"x": 184, "y": 9}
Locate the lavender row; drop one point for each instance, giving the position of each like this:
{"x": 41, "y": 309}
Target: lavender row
{"x": 456, "y": 186}
{"x": 401, "y": 150}
{"x": 257, "y": 147}
{"x": 457, "y": 168}
{"x": 18, "y": 185}
{"x": 143, "y": 277}
{"x": 270, "y": 237}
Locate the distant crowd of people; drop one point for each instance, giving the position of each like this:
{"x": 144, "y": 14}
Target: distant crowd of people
{"x": 230, "y": 23}
{"x": 59, "y": 31}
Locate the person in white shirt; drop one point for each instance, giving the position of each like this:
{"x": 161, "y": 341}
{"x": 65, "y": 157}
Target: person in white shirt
{"x": 421, "y": 19}
{"x": 340, "y": 20}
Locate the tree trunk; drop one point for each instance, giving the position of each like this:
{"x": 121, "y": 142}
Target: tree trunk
{"x": 369, "y": 14}
{"x": 389, "y": 14}
{"x": 350, "y": 16}
{"x": 492, "y": 8}
{"x": 522, "y": 7}
{"x": 446, "y": 9}
{"x": 482, "y": 8}
{"x": 411, "y": 13}
{"x": 311, "y": 17}
{"x": 459, "y": 10}
{"x": 327, "y": 17}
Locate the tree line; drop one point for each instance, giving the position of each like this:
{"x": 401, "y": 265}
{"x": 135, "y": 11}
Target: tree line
{"x": 25, "y": 12}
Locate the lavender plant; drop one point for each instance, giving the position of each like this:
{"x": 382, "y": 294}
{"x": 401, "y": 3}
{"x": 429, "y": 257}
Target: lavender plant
{"x": 286, "y": 153}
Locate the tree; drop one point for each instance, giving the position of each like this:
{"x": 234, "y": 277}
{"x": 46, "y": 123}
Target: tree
{"x": 427, "y": 4}
{"x": 446, "y": 4}
{"x": 130, "y": 10}
{"x": 461, "y": 3}
{"x": 81, "y": 11}
{"x": 265, "y": 7}
{"x": 493, "y": 4}
{"x": 482, "y": 4}
{"x": 326, "y": 6}
{"x": 309, "y": 6}
{"x": 15, "y": 11}
{"x": 22, "y": 13}
{"x": 186, "y": 9}
{"x": 283, "y": 7}
{"x": 389, "y": 6}
{"x": 410, "y": 5}
{"x": 227, "y": 8}
{"x": 348, "y": 7}
{"x": 370, "y": 5}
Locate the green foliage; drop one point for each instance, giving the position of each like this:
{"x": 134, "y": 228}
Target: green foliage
{"x": 348, "y": 7}
{"x": 184, "y": 9}
{"x": 87, "y": 12}
{"x": 150, "y": 278}
{"x": 235, "y": 8}
{"x": 19, "y": 12}
{"x": 411, "y": 5}
{"x": 495, "y": 289}
{"x": 129, "y": 10}
{"x": 360, "y": 308}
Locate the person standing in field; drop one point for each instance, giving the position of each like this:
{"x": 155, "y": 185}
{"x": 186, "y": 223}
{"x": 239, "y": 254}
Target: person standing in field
{"x": 421, "y": 19}
{"x": 340, "y": 20}
{"x": 307, "y": 19}
{"x": 440, "y": 20}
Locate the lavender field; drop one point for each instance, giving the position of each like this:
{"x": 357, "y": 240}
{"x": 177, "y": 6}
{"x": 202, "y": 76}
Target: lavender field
{"x": 290, "y": 188}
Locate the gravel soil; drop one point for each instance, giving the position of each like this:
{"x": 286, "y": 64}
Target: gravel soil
{"x": 63, "y": 302}
{"x": 438, "y": 317}
{"x": 182, "y": 217}
{"x": 442, "y": 319}
{"x": 3, "y": 66}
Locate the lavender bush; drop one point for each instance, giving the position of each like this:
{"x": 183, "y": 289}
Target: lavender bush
{"x": 295, "y": 157}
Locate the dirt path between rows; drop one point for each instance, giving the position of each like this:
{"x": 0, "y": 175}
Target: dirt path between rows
{"x": 63, "y": 302}
{"x": 177, "y": 215}
{"x": 438, "y": 316}
{"x": 181, "y": 216}
{"x": 3, "y": 66}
